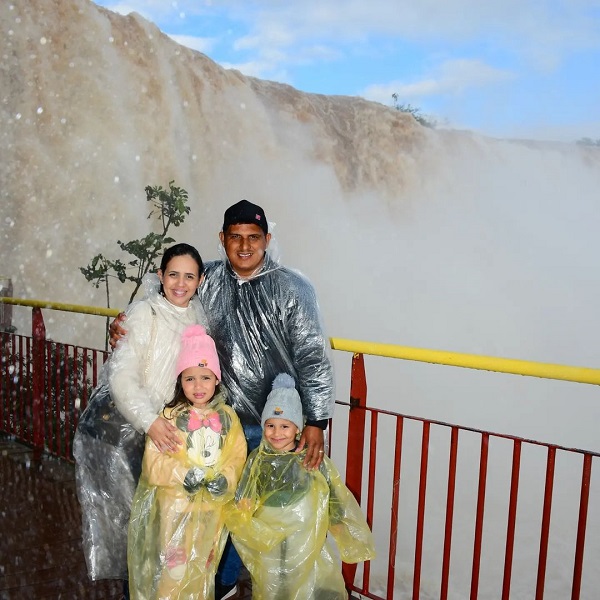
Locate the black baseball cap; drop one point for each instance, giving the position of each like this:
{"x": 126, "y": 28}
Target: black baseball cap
{"x": 245, "y": 212}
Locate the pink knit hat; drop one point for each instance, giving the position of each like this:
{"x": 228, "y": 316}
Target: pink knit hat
{"x": 197, "y": 350}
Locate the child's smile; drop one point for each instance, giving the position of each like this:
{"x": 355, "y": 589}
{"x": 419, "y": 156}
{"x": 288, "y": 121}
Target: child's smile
{"x": 281, "y": 434}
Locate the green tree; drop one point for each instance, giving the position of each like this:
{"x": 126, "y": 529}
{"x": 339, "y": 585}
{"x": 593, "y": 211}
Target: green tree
{"x": 171, "y": 209}
{"x": 415, "y": 112}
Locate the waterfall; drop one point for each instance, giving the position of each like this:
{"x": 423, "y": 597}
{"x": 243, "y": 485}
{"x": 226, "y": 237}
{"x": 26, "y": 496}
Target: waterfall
{"x": 431, "y": 238}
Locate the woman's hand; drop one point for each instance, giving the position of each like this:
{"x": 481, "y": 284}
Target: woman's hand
{"x": 116, "y": 331}
{"x": 164, "y": 435}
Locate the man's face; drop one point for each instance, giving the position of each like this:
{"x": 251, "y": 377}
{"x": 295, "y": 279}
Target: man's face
{"x": 245, "y": 246}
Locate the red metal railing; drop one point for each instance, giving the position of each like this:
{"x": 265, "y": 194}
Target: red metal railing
{"x": 489, "y": 453}
{"x": 44, "y": 386}
{"x": 430, "y": 490}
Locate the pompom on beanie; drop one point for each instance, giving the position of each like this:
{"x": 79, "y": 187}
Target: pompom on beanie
{"x": 197, "y": 350}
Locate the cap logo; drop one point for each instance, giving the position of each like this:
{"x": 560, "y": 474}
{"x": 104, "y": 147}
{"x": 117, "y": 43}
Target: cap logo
{"x": 277, "y": 411}
{"x": 203, "y": 362}
{"x": 257, "y": 217}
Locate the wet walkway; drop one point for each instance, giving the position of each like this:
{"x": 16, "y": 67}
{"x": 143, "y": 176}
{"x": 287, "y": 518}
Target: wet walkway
{"x": 40, "y": 532}
{"x": 40, "y": 521}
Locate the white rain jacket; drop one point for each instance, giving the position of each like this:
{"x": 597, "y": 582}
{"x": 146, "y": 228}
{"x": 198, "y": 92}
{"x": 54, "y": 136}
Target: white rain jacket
{"x": 141, "y": 377}
{"x": 142, "y": 368}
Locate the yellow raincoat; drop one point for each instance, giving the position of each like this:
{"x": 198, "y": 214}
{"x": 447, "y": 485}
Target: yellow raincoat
{"x": 176, "y": 536}
{"x": 279, "y": 525}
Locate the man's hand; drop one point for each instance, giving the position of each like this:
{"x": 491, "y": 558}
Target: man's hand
{"x": 116, "y": 331}
{"x": 164, "y": 435}
{"x": 313, "y": 439}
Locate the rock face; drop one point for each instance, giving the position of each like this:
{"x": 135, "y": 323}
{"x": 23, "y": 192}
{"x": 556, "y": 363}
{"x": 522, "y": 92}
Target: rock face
{"x": 410, "y": 235}
{"x": 96, "y": 106}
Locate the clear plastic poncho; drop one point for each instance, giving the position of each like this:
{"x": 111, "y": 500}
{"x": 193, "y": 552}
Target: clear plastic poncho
{"x": 266, "y": 325}
{"x": 280, "y": 522}
{"x": 141, "y": 376}
{"x": 176, "y": 531}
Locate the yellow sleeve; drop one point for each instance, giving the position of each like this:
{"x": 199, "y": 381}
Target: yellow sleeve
{"x": 164, "y": 469}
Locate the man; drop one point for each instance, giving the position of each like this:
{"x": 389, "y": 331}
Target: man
{"x": 265, "y": 320}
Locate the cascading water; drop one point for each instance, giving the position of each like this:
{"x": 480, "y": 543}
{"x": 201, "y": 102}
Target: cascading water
{"x": 436, "y": 239}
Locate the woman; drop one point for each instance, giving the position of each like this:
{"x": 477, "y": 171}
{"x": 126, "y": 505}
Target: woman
{"x": 140, "y": 376}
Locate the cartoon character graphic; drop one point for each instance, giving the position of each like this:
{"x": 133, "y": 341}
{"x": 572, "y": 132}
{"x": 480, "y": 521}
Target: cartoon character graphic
{"x": 204, "y": 441}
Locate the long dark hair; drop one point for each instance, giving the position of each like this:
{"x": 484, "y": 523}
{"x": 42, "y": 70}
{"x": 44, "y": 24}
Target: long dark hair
{"x": 180, "y": 250}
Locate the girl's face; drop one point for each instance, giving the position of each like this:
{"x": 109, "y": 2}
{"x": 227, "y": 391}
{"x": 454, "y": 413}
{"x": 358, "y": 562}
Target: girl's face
{"x": 281, "y": 434}
{"x": 180, "y": 280}
{"x": 198, "y": 384}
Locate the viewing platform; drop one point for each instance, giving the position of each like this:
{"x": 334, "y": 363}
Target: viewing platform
{"x": 40, "y": 520}
{"x": 457, "y": 511}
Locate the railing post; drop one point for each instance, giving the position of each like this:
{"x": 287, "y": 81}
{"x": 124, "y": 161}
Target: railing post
{"x": 38, "y": 333}
{"x": 356, "y": 441}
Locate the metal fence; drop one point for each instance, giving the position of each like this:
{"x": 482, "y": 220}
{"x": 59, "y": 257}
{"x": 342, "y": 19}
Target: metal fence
{"x": 457, "y": 512}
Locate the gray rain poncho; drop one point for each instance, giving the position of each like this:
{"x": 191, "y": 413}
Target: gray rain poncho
{"x": 141, "y": 377}
{"x": 263, "y": 326}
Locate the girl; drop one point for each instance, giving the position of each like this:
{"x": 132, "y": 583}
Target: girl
{"x": 140, "y": 377}
{"x": 176, "y": 532}
{"x": 283, "y": 512}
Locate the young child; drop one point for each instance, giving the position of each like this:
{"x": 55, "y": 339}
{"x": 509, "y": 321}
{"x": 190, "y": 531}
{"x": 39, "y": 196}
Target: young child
{"x": 283, "y": 512}
{"x": 176, "y": 531}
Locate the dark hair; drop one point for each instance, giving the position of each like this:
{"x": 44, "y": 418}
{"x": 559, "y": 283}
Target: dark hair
{"x": 180, "y": 250}
{"x": 179, "y": 397}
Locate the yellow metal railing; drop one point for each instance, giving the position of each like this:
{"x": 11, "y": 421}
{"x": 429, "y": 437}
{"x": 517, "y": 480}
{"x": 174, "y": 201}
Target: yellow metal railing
{"x": 440, "y": 357}
{"x": 471, "y": 361}
{"x": 76, "y": 308}
{"x": 370, "y": 483}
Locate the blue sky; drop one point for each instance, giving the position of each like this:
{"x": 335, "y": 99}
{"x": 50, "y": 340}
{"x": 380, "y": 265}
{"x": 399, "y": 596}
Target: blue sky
{"x": 503, "y": 68}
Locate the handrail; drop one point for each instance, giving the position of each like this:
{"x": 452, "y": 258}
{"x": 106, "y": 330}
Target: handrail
{"x": 471, "y": 361}
{"x": 57, "y": 372}
{"x": 76, "y": 308}
{"x": 440, "y": 357}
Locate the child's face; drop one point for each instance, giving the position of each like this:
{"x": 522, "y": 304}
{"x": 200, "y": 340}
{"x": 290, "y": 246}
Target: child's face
{"x": 281, "y": 434}
{"x": 198, "y": 384}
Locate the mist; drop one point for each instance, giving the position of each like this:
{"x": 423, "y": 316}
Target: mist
{"x": 430, "y": 238}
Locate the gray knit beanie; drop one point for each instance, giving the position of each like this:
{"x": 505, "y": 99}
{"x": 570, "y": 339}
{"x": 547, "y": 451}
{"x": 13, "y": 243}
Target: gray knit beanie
{"x": 283, "y": 402}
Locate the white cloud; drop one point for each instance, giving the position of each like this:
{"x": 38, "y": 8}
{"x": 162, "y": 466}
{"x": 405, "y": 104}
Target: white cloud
{"x": 204, "y": 45}
{"x": 125, "y": 9}
{"x": 273, "y": 37}
{"x": 261, "y": 70}
{"x": 542, "y": 32}
{"x": 450, "y": 77}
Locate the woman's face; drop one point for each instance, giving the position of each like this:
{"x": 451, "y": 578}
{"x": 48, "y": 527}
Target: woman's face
{"x": 180, "y": 280}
